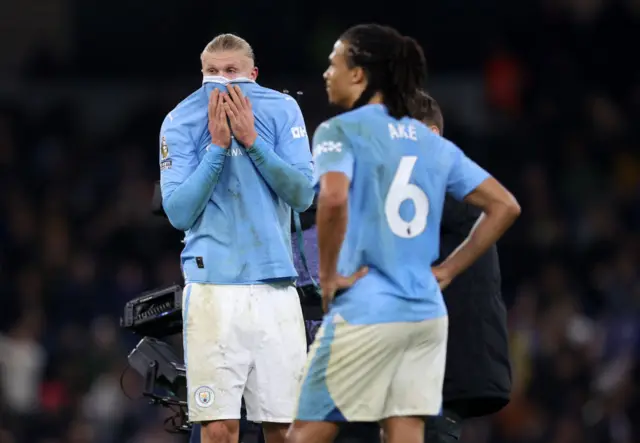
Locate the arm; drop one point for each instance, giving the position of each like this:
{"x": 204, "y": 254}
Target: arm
{"x": 334, "y": 171}
{"x": 186, "y": 185}
{"x": 470, "y": 182}
{"x": 331, "y": 220}
{"x": 288, "y": 168}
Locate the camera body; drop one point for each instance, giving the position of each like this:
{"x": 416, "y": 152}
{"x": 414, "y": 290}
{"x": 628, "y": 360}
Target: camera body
{"x": 154, "y": 316}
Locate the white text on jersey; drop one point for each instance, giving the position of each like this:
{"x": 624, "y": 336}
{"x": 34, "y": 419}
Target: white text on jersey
{"x": 231, "y": 152}
{"x": 401, "y": 131}
{"x": 234, "y": 152}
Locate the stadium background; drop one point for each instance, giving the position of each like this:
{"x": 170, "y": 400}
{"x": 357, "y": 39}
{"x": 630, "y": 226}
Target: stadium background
{"x": 544, "y": 94}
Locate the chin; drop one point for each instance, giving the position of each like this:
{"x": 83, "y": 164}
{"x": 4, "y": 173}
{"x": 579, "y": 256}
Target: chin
{"x": 337, "y": 101}
{"x": 329, "y": 95}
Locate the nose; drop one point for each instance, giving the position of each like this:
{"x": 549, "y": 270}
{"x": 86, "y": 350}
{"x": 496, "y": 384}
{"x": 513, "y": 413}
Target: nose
{"x": 325, "y": 74}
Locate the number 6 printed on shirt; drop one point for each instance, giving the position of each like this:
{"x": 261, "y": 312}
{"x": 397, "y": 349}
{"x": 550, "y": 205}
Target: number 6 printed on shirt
{"x": 400, "y": 191}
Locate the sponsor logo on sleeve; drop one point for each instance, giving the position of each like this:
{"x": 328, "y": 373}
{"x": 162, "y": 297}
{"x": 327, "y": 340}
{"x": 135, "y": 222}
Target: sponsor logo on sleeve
{"x": 326, "y": 147}
{"x": 298, "y": 132}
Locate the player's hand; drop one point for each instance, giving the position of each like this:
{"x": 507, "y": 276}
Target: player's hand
{"x": 442, "y": 275}
{"x": 238, "y": 109}
{"x": 218, "y": 124}
{"x": 331, "y": 285}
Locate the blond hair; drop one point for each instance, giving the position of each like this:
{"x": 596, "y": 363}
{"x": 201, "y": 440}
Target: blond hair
{"x": 229, "y": 42}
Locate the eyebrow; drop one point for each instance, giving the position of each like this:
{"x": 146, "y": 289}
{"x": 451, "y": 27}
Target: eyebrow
{"x": 224, "y": 66}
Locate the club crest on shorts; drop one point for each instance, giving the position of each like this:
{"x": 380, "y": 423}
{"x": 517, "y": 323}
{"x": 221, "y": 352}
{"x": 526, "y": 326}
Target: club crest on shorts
{"x": 204, "y": 396}
{"x": 164, "y": 148}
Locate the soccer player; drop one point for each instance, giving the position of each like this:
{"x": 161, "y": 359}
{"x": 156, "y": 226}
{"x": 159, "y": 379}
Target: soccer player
{"x": 234, "y": 160}
{"x": 477, "y": 379}
{"x": 380, "y": 354}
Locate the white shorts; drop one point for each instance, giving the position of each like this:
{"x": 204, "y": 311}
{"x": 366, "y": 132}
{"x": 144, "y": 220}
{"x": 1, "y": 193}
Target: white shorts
{"x": 366, "y": 373}
{"x": 243, "y": 340}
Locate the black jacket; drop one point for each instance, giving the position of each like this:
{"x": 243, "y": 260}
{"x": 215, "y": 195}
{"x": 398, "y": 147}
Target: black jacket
{"x": 478, "y": 374}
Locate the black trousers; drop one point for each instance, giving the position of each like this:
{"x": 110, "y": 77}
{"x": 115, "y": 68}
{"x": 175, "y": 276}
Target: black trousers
{"x": 442, "y": 429}
{"x": 445, "y": 428}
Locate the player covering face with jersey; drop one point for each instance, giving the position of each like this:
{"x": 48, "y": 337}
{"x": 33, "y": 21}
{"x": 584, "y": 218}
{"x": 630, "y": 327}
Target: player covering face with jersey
{"x": 234, "y": 162}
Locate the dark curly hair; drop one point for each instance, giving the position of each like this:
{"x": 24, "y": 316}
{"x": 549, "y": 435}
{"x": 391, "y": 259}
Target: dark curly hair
{"x": 394, "y": 65}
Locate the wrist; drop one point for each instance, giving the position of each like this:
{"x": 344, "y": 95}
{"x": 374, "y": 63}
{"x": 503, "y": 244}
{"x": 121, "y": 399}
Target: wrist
{"x": 326, "y": 276}
{"x": 250, "y": 141}
{"x": 215, "y": 148}
{"x": 220, "y": 143}
{"x": 448, "y": 269}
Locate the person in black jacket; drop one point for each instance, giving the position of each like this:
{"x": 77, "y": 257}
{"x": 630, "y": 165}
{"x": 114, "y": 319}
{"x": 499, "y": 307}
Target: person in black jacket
{"x": 478, "y": 372}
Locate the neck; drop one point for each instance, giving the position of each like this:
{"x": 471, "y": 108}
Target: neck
{"x": 376, "y": 99}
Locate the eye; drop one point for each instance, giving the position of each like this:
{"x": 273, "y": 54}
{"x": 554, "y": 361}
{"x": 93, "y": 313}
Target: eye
{"x": 212, "y": 70}
{"x": 231, "y": 70}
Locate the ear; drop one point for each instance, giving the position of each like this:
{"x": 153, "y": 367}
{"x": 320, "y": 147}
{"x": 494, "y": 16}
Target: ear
{"x": 254, "y": 73}
{"x": 358, "y": 75}
{"x": 434, "y": 129}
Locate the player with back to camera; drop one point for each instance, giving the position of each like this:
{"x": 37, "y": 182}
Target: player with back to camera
{"x": 243, "y": 327}
{"x": 380, "y": 354}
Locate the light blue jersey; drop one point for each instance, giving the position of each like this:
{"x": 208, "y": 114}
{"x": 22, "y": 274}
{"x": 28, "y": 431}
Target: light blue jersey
{"x": 235, "y": 204}
{"x": 399, "y": 172}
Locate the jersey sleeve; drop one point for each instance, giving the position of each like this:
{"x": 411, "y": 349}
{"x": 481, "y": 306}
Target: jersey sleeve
{"x": 287, "y": 167}
{"x": 178, "y": 159}
{"x": 332, "y": 151}
{"x": 186, "y": 184}
{"x": 465, "y": 175}
{"x": 292, "y": 141}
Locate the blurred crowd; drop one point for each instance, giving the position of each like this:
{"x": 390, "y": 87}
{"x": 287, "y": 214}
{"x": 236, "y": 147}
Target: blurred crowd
{"x": 77, "y": 241}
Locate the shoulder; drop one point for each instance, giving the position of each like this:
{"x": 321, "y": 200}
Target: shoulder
{"x": 328, "y": 128}
{"x": 272, "y": 93}
{"x": 274, "y": 106}
{"x": 435, "y": 142}
{"x": 448, "y": 147}
{"x": 183, "y": 125}
{"x": 183, "y": 112}
{"x": 346, "y": 123}
{"x": 360, "y": 120}
{"x": 280, "y": 101}
{"x": 330, "y": 136}
{"x": 443, "y": 151}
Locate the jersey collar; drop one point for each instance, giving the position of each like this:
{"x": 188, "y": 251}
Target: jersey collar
{"x": 222, "y": 80}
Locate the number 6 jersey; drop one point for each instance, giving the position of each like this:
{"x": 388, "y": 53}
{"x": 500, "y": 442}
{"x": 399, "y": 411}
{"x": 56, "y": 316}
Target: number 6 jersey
{"x": 399, "y": 172}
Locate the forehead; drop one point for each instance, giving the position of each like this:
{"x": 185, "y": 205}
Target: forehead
{"x": 225, "y": 58}
{"x": 339, "y": 51}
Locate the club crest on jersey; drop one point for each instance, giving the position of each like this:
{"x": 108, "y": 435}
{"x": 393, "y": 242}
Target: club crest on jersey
{"x": 164, "y": 148}
{"x": 204, "y": 396}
